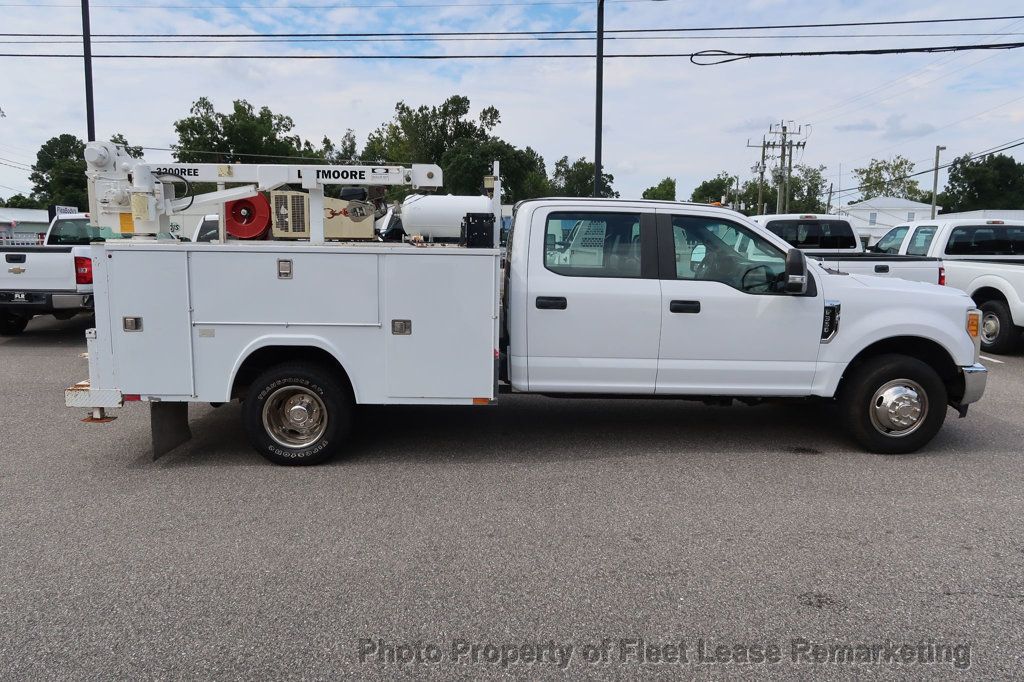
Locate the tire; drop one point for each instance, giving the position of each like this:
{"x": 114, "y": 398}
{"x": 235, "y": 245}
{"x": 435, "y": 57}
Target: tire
{"x": 998, "y": 335}
{"x": 12, "y": 325}
{"x": 894, "y": 431}
{"x": 308, "y": 392}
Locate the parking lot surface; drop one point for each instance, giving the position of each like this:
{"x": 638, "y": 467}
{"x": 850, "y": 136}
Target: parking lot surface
{"x": 523, "y": 529}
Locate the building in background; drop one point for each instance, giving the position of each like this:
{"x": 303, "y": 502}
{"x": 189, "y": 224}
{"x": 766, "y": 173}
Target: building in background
{"x": 988, "y": 214}
{"x": 872, "y": 218}
{"x": 23, "y": 224}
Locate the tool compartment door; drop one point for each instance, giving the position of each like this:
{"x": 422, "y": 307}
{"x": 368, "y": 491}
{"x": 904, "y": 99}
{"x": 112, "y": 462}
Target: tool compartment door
{"x": 152, "y": 286}
{"x": 450, "y": 302}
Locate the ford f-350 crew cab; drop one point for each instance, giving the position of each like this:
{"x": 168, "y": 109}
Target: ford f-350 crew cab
{"x": 984, "y": 258}
{"x": 831, "y": 241}
{"x": 600, "y": 297}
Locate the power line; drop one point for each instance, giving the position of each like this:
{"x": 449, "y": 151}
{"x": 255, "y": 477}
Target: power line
{"x": 1010, "y": 145}
{"x": 702, "y": 58}
{"x": 175, "y": 39}
{"x": 419, "y": 5}
{"x": 687, "y": 29}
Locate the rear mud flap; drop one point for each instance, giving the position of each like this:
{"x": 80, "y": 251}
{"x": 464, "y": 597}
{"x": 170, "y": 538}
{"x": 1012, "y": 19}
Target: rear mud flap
{"x": 168, "y": 424}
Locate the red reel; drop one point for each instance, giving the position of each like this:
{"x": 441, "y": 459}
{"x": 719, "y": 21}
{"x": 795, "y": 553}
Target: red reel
{"x": 247, "y": 218}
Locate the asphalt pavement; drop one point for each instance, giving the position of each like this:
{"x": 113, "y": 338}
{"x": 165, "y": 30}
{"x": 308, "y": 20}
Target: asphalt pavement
{"x": 536, "y": 538}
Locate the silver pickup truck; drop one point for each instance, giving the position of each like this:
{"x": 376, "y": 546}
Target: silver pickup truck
{"x": 830, "y": 240}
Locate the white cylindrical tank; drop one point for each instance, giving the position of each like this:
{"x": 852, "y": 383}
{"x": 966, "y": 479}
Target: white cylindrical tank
{"x": 440, "y": 217}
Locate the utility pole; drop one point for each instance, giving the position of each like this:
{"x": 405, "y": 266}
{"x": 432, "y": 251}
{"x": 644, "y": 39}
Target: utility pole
{"x": 758, "y": 170}
{"x": 789, "y": 173}
{"x": 828, "y": 206}
{"x": 783, "y": 181}
{"x": 90, "y": 117}
{"x": 600, "y": 98}
{"x": 935, "y": 179}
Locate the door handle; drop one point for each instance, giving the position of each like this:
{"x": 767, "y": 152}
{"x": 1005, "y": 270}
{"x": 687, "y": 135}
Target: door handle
{"x": 551, "y": 302}
{"x": 15, "y": 258}
{"x": 684, "y": 307}
{"x": 881, "y": 268}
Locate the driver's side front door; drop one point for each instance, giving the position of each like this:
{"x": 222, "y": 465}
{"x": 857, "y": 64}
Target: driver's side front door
{"x": 724, "y": 330}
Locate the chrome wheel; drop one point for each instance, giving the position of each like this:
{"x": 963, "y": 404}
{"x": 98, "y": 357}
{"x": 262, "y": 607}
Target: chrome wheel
{"x": 989, "y": 328}
{"x": 294, "y": 417}
{"x": 898, "y": 408}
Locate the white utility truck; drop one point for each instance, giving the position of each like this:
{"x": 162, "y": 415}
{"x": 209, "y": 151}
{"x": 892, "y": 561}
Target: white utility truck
{"x": 984, "y": 258}
{"x": 831, "y": 241}
{"x": 597, "y": 297}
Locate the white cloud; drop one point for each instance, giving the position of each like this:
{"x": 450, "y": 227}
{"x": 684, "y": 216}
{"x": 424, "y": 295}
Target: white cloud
{"x": 663, "y": 117}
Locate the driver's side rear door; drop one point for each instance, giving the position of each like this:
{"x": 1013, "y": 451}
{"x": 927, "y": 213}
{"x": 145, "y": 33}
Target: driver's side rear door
{"x": 723, "y": 331}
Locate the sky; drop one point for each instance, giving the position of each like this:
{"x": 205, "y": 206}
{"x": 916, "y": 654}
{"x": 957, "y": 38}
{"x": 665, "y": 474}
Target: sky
{"x": 662, "y": 117}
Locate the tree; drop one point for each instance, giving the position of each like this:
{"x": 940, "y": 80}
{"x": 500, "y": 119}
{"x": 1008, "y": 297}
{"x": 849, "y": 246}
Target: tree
{"x": 468, "y": 161}
{"x": 58, "y": 175}
{"x": 576, "y": 179}
{"x": 714, "y": 189}
{"x": 664, "y": 190}
{"x": 994, "y": 181}
{"x": 888, "y": 178}
{"x": 240, "y": 136}
{"x": 134, "y": 152}
{"x": 20, "y": 201}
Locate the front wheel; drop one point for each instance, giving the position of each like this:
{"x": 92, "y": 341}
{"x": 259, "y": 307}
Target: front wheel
{"x": 998, "y": 335}
{"x": 893, "y": 404}
{"x": 12, "y": 325}
{"x": 297, "y": 413}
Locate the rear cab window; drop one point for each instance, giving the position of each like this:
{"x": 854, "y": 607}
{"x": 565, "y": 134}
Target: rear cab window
{"x": 78, "y": 232}
{"x": 815, "y": 234}
{"x": 593, "y": 244}
{"x": 986, "y": 240}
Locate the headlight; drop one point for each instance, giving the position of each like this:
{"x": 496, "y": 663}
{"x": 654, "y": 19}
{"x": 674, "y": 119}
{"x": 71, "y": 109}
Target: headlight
{"x": 974, "y": 330}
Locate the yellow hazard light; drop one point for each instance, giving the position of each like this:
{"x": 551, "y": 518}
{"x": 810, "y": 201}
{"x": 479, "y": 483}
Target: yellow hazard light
{"x": 973, "y": 323}
{"x": 481, "y": 401}
{"x": 127, "y": 225}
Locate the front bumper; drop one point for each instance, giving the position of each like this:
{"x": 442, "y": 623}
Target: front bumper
{"x": 38, "y": 302}
{"x": 975, "y": 377}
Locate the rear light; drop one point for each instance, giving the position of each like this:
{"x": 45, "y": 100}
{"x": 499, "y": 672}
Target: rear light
{"x": 994, "y": 222}
{"x": 83, "y": 270}
{"x": 942, "y": 275}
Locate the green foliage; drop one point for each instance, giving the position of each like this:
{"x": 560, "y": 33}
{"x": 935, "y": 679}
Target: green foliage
{"x": 888, "y": 178}
{"x": 714, "y": 189}
{"x": 576, "y": 179}
{"x": 664, "y": 190}
{"x": 468, "y": 161}
{"x": 134, "y": 152}
{"x": 58, "y": 175}
{"x": 242, "y": 136}
{"x": 20, "y": 201}
{"x": 990, "y": 182}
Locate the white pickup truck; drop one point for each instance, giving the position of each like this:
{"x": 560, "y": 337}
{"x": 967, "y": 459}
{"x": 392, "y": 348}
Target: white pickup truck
{"x": 984, "y": 258}
{"x": 600, "y": 297}
{"x": 54, "y": 278}
{"x": 831, "y": 240}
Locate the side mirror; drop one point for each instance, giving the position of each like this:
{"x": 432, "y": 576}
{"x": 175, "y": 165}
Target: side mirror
{"x": 796, "y": 272}
{"x": 549, "y": 241}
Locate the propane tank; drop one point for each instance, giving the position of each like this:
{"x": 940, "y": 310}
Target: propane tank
{"x": 439, "y": 218}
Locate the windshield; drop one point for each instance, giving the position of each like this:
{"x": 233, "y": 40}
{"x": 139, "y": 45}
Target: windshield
{"x": 78, "y": 232}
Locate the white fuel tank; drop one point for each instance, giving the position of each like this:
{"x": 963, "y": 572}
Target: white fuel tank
{"x": 440, "y": 217}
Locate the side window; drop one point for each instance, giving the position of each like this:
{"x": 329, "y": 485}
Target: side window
{"x": 890, "y": 243}
{"x": 706, "y": 249}
{"x": 584, "y": 244}
{"x": 921, "y": 240}
{"x": 978, "y": 240}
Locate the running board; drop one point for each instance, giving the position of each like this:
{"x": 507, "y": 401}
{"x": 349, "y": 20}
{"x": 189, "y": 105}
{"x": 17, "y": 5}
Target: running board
{"x": 168, "y": 425}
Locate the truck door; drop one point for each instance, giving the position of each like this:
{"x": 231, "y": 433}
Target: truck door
{"x": 593, "y": 318}
{"x": 725, "y": 330}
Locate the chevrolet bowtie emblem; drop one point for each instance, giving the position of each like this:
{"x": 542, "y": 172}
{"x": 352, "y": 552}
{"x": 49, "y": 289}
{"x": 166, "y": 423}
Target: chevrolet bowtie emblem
{"x": 16, "y": 270}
